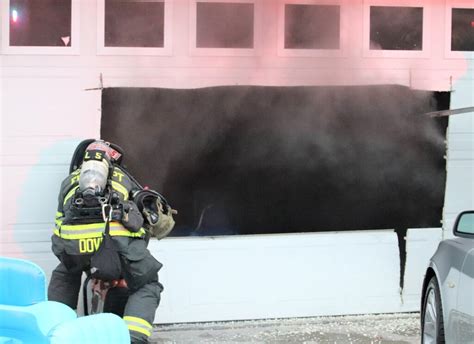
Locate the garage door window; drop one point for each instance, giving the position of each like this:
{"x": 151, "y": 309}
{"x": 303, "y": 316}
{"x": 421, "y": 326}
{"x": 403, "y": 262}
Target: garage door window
{"x": 462, "y": 29}
{"x": 224, "y": 25}
{"x": 134, "y": 27}
{"x": 45, "y": 23}
{"x": 312, "y": 26}
{"x": 134, "y": 23}
{"x": 396, "y": 28}
{"x": 40, "y": 27}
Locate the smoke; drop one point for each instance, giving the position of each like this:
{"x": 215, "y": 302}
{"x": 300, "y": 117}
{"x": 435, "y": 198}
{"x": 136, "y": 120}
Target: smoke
{"x": 283, "y": 159}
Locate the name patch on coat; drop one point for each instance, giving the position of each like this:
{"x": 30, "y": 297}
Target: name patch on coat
{"x": 89, "y": 245}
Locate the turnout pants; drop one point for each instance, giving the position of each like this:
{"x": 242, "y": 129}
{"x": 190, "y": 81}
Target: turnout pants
{"x": 139, "y": 268}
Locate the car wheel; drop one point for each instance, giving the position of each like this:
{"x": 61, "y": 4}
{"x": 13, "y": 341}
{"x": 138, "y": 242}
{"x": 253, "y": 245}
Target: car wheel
{"x": 432, "y": 325}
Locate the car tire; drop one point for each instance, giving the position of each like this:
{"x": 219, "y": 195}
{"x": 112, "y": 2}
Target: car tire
{"x": 432, "y": 324}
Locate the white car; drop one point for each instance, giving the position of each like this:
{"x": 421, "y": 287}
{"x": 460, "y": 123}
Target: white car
{"x": 447, "y": 303}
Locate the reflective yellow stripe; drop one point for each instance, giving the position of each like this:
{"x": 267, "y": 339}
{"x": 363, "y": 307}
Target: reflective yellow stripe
{"x": 70, "y": 194}
{"x": 78, "y": 236}
{"x": 138, "y": 320}
{"x": 115, "y": 227}
{"x": 94, "y": 235}
{"x": 139, "y": 329}
{"x": 120, "y": 188}
{"x": 99, "y": 225}
{"x": 95, "y": 230}
{"x": 138, "y": 325}
{"x": 125, "y": 232}
{"x": 59, "y": 219}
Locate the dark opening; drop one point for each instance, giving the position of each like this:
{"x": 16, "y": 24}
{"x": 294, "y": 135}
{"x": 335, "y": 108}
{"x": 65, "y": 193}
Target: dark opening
{"x": 252, "y": 160}
{"x": 312, "y": 26}
{"x": 134, "y": 23}
{"x": 462, "y": 35}
{"x": 40, "y": 23}
{"x": 396, "y": 28}
{"x": 224, "y": 25}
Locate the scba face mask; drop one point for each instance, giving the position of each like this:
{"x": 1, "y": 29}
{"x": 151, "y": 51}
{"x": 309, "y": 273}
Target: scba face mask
{"x": 94, "y": 175}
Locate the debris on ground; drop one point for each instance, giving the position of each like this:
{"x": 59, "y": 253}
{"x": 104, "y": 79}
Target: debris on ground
{"x": 358, "y": 329}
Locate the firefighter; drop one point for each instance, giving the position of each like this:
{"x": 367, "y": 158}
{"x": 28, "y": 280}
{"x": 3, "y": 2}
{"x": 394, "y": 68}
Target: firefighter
{"x": 97, "y": 181}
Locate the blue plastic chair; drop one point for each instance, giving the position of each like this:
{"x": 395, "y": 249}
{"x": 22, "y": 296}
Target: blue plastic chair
{"x": 26, "y": 317}
{"x": 98, "y": 328}
{"x": 23, "y": 283}
{"x": 32, "y": 324}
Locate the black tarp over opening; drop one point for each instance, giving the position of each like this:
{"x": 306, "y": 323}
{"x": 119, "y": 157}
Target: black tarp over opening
{"x": 256, "y": 159}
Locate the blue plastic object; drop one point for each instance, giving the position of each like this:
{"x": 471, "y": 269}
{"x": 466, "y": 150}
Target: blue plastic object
{"x": 32, "y": 324}
{"x": 23, "y": 283}
{"x": 27, "y": 318}
{"x": 103, "y": 328}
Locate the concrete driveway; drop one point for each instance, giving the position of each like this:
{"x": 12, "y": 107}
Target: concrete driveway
{"x": 366, "y": 329}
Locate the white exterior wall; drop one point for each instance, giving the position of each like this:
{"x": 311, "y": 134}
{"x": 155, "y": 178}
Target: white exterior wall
{"x": 46, "y": 111}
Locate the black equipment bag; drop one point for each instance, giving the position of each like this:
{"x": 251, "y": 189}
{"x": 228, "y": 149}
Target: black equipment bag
{"x": 105, "y": 263}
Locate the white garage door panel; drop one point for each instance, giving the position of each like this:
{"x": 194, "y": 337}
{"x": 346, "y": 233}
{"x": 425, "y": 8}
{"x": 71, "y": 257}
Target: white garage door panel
{"x": 12, "y": 248}
{"x": 463, "y": 142}
{"x": 463, "y": 96}
{"x": 36, "y": 190}
{"x": 460, "y": 186}
{"x": 40, "y": 106}
{"x": 277, "y": 275}
{"x": 28, "y": 233}
{"x": 466, "y": 155}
